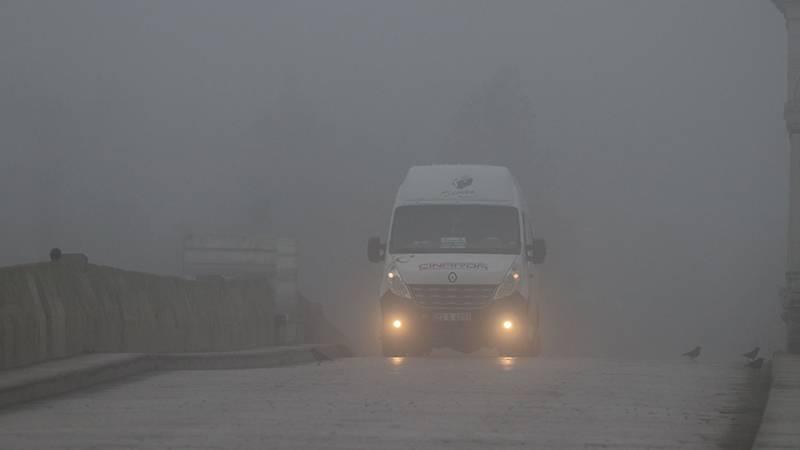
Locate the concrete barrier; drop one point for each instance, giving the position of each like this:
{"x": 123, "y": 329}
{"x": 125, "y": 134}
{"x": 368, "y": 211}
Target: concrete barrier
{"x": 66, "y": 308}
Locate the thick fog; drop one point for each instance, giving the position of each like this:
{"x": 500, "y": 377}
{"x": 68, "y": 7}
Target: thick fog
{"x": 648, "y": 136}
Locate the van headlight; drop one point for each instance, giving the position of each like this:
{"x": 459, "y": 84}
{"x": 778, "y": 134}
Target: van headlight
{"x": 396, "y": 283}
{"x": 510, "y": 283}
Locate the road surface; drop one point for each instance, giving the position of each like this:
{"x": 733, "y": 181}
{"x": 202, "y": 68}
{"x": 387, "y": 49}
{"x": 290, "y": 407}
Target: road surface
{"x": 445, "y": 401}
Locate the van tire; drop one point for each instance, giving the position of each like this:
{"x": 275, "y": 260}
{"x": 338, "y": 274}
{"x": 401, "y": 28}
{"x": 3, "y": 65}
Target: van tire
{"x": 390, "y": 349}
{"x": 534, "y": 347}
{"x": 421, "y": 350}
{"x": 530, "y": 347}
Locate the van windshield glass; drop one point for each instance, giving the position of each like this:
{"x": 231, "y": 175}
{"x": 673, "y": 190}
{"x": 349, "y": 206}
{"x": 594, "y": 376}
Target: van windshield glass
{"x": 455, "y": 229}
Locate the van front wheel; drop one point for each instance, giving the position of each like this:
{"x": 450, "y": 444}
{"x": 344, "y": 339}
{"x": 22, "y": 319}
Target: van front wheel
{"x": 529, "y": 346}
{"x": 534, "y": 347}
{"x": 390, "y": 349}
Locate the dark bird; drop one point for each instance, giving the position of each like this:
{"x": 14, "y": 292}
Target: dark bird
{"x": 319, "y": 356}
{"x": 55, "y": 254}
{"x": 756, "y": 363}
{"x": 751, "y": 355}
{"x": 694, "y": 353}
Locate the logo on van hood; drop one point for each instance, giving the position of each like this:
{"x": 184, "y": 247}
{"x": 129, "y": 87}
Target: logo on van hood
{"x": 462, "y": 182}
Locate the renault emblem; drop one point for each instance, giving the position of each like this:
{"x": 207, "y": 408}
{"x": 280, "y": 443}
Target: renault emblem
{"x": 452, "y": 277}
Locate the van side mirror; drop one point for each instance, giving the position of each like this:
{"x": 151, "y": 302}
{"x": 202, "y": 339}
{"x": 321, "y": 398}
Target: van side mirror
{"x": 536, "y": 251}
{"x": 376, "y": 251}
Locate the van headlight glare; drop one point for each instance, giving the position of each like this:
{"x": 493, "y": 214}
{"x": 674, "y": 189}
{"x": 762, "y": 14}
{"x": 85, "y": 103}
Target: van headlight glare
{"x": 510, "y": 283}
{"x": 396, "y": 283}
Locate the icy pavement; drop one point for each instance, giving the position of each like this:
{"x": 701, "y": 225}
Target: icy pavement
{"x": 428, "y": 403}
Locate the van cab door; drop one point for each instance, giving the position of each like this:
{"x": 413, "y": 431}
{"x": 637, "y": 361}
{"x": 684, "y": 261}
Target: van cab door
{"x": 529, "y": 266}
{"x": 530, "y": 269}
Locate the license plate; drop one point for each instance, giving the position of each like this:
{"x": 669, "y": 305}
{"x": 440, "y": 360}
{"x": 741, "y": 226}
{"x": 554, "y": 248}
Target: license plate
{"x": 452, "y": 316}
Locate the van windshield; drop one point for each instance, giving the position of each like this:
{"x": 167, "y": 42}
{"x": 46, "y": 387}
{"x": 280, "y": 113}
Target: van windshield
{"x": 455, "y": 229}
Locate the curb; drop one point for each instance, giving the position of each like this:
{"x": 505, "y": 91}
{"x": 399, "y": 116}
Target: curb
{"x": 781, "y": 416}
{"x": 248, "y": 359}
{"x": 61, "y": 376}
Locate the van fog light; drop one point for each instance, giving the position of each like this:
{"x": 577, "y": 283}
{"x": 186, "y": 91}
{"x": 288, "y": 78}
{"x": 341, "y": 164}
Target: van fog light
{"x": 397, "y": 324}
{"x": 508, "y": 325}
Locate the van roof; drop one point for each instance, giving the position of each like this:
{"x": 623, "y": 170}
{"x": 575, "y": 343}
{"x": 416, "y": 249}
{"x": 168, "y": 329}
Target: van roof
{"x": 442, "y": 184}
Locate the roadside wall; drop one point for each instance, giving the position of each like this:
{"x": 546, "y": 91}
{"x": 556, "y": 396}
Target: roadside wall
{"x": 65, "y": 308}
{"x": 317, "y": 329}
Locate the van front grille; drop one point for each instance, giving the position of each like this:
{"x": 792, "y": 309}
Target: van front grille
{"x": 453, "y": 296}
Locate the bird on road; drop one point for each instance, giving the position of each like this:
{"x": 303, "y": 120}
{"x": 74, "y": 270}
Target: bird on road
{"x": 319, "y": 356}
{"x": 694, "y": 353}
{"x": 756, "y": 363}
{"x": 751, "y": 355}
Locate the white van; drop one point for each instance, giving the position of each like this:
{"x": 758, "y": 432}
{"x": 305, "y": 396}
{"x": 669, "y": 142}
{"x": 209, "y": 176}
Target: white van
{"x": 459, "y": 264}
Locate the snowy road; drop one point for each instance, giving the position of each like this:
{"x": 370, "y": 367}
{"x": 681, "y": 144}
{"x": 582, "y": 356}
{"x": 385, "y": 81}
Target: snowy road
{"x": 375, "y": 403}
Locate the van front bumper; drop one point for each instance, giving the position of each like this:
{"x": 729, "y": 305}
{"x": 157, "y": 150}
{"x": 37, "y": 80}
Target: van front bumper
{"x": 464, "y": 329}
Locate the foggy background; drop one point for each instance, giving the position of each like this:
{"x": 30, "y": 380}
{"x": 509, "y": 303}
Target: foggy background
{"x": 647, "y": 134}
